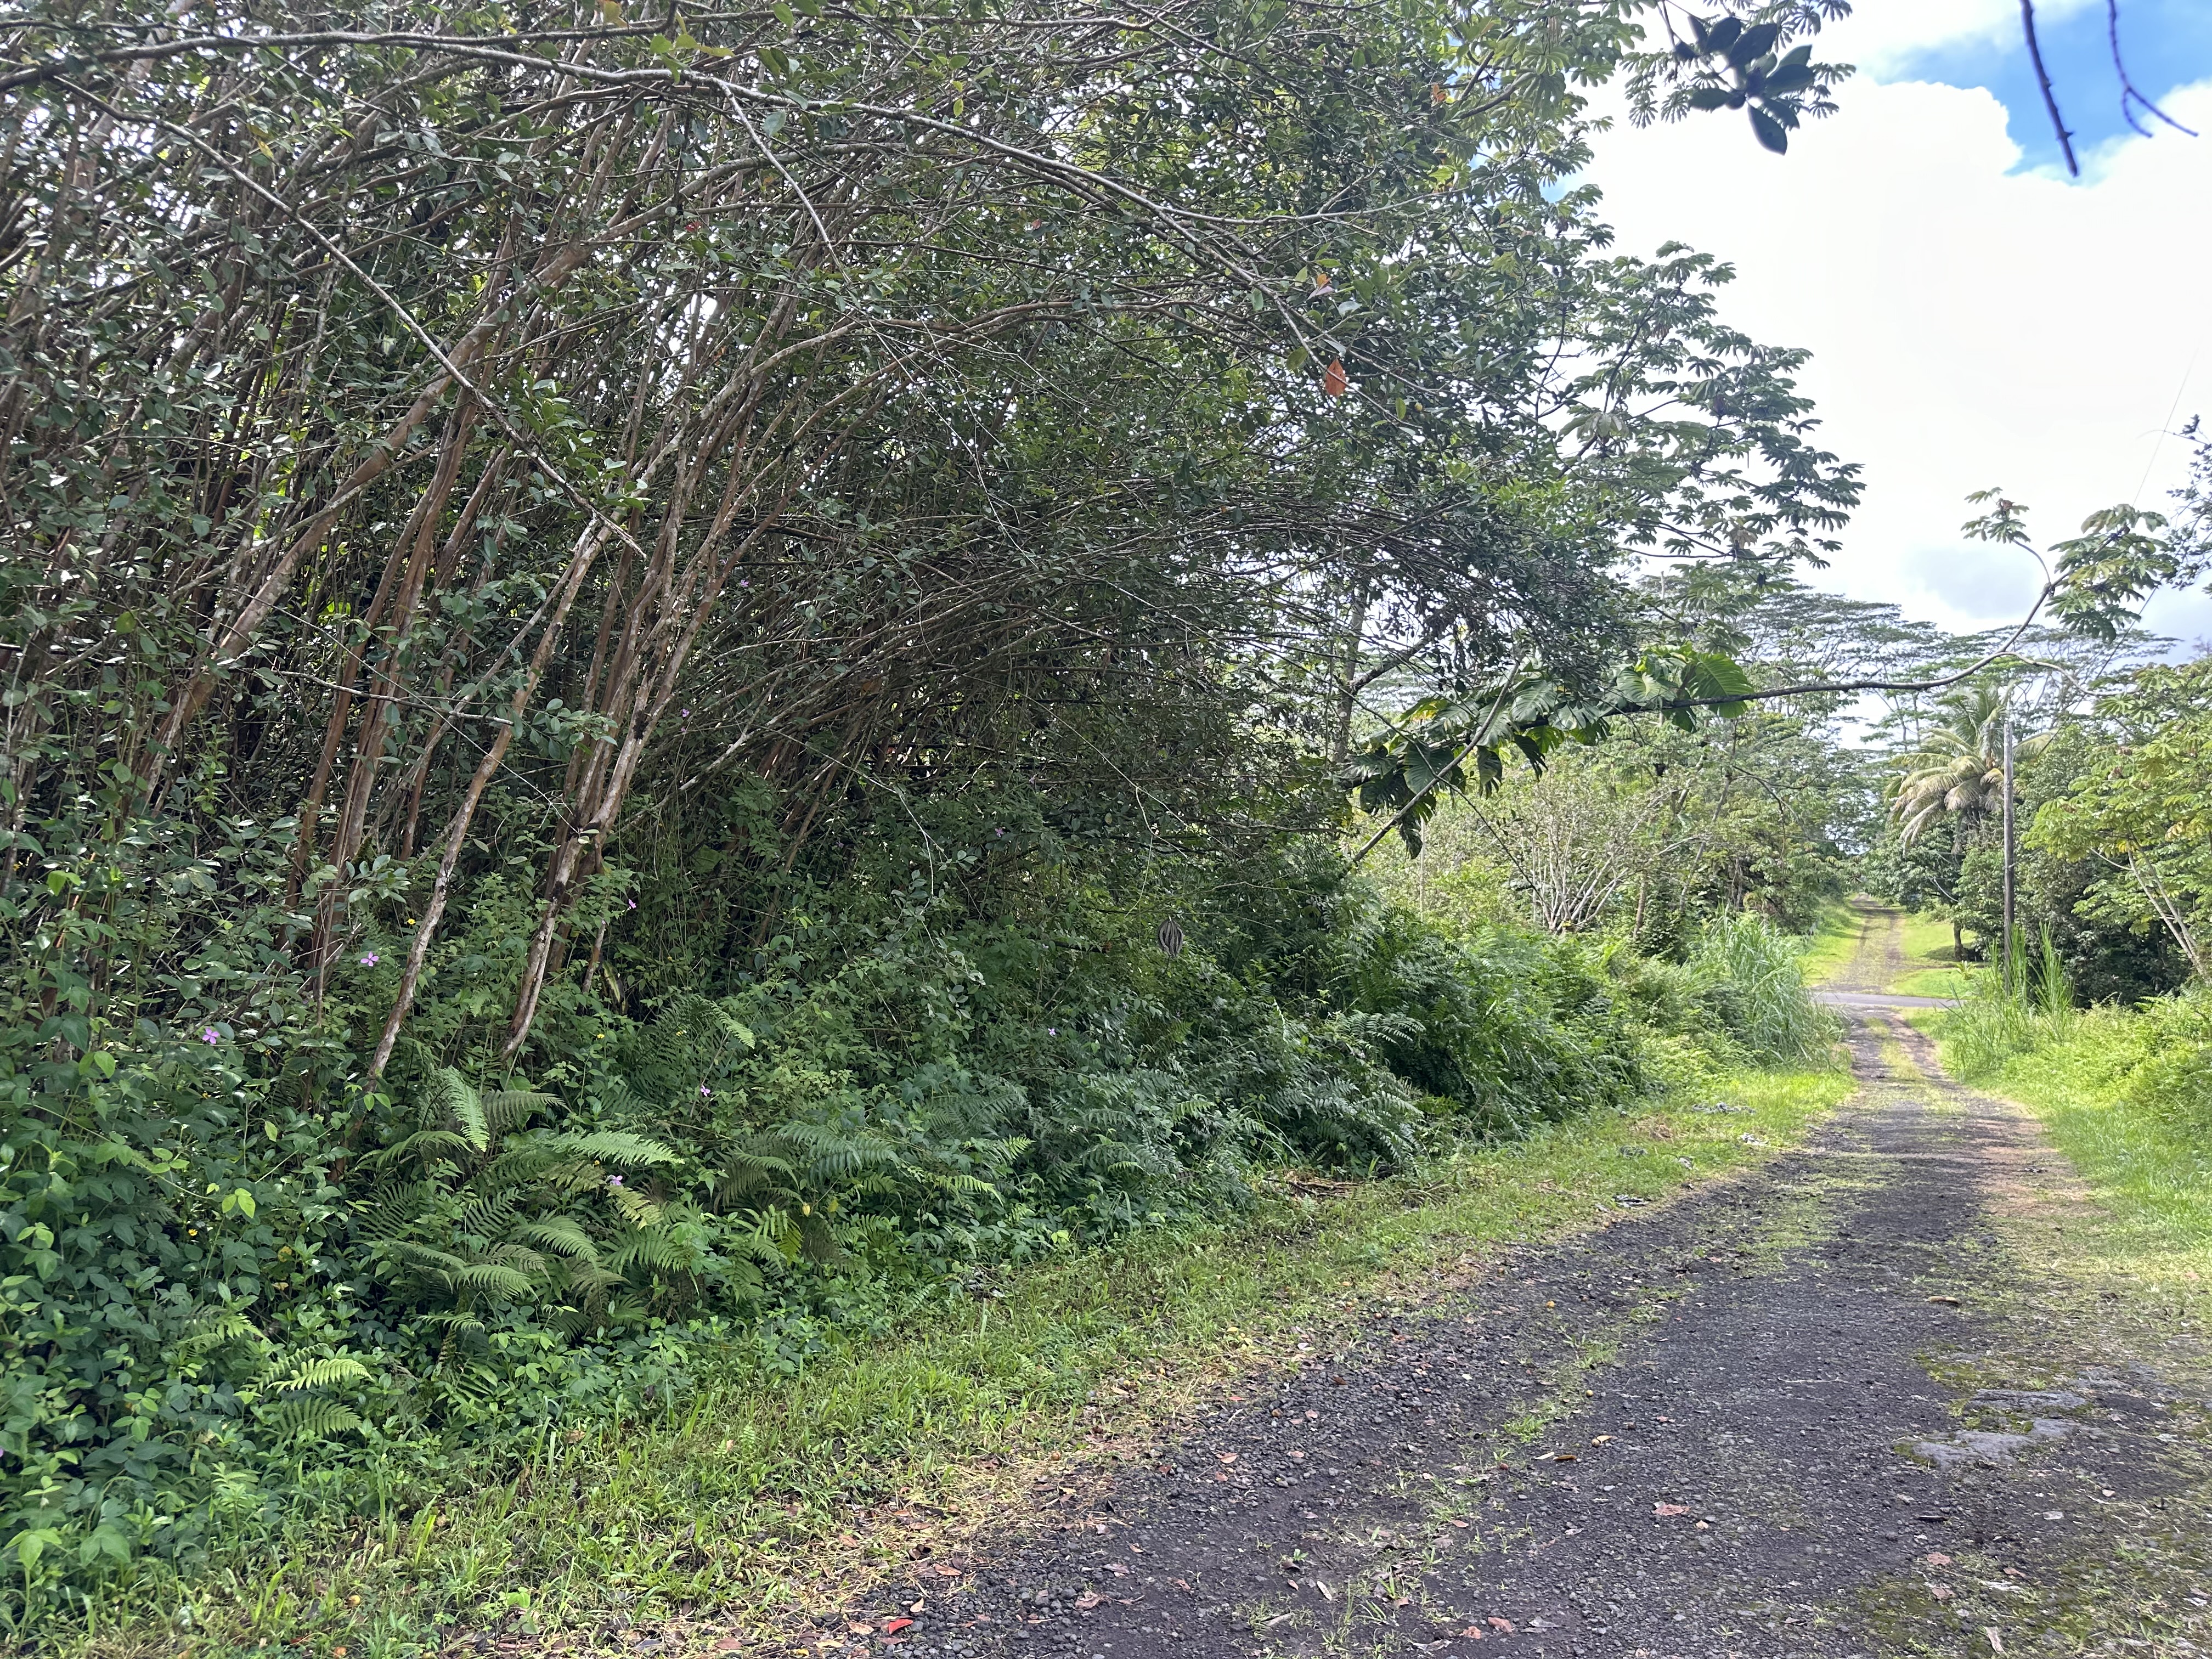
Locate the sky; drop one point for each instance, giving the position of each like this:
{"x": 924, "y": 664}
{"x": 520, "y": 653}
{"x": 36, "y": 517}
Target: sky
{"x": 1977, "y": 317}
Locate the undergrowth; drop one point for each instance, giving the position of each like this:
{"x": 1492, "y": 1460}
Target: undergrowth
{"x": 812, "y": 1455}
{"x": 243, "y": 1290}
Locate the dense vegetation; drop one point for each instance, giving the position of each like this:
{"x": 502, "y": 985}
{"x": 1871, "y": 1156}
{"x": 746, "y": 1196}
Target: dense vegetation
{"x": 678, "y": 683}
{"x": 622, "y": 634}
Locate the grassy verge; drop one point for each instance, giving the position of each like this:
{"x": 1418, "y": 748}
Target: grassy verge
{"x": 767, "y": 1501}
{"x": 2152, "y": 1178}
{"x": 1930, "y": 968}
{"x": 1835, "y": 941}
{"x": 2111, "y": 1278}
{"x": 1852, "y": 945}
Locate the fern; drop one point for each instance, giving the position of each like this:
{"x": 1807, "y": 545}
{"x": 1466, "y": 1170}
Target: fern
{"x": 562, "y": 1235}
{"x": 311, "y": 1419}
{"x": 322, "y": 1373}
{"x": 213, "y": 1331}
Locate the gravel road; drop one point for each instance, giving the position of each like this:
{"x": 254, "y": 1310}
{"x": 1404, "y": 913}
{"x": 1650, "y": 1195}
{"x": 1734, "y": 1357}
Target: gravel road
{"x": 1844, "y": 1405}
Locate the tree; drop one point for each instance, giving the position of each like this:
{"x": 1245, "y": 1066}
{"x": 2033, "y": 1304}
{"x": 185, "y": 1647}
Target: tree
{"x": 1959, "y": 772}
{"x": 2145, "y": 813}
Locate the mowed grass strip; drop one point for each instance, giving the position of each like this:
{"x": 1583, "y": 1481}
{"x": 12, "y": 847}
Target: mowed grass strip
{"x": 762, "y": 1502}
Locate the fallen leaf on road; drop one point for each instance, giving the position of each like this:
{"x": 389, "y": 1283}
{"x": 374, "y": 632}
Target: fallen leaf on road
{"x": 1945, "y": 1301}
{"x": 1566, "y": 1457}
{"x": 1997, "y": 1641}
{"x": 1462, "y": 1525}
{"x": 893, "y": 1626}
{"x": 1937, "y": 1559}
{"x": 1941, "y": 1592}
{"x": 946, "y": 1570}
{"x": 861, "y": 1630}
{"x": 1472, "y": 1634}
{"x": 1226, "y": 1458}
{"x": 1088, "y": 1600}
{"x": 1496, "y": 1623}
{"x": 1670, "y": 1508}
{"x": 1601, "y": 1439}
{"x": 1326, "y": 1593}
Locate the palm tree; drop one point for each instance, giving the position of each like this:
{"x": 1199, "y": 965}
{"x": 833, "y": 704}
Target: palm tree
{"x": 1958, "y": 772}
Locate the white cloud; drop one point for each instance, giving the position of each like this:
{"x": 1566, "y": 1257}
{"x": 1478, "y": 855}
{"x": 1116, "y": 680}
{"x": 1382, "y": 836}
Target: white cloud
{"x": 1971, "y": 325}
{"x": 1880, "y": 38}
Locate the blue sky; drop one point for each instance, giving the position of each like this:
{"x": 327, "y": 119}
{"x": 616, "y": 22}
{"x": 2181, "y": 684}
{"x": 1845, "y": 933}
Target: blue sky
{"x": 1975, "y": 317}
{"x": 2165, "y": 43}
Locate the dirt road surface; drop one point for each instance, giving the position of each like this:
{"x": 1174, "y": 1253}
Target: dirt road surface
{"x": 1864, "y": 1400}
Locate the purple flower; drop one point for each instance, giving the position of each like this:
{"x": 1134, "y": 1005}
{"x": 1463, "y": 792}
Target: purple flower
{"x": 614, "y": 1180}
{"x": 632, "y": 905}
{"x": 209, "y": 1036}
{"x": 369, "y": 959}
{"x": 1052, "y": 1030}
{"x": 704, "y": 1091}
{"x": 687, "y": 713}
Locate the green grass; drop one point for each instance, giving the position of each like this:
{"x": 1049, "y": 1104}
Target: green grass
{"x": 1833, "y": 942}
{"x": 1934, "y": 982}
{"x": 1929, "y": 968}
{"x": 2151, "y": 1179}
{"x": 763, "y": 1501}
{"x": 1850, "y": 945}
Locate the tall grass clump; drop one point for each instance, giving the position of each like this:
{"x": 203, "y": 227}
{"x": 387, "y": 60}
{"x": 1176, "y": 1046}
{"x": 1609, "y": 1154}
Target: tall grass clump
{"x": 1748, "y": 977}
{"x": 2026, "y": 1008}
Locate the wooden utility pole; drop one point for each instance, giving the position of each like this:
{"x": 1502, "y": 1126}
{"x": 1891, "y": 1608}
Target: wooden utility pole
{"x": 2010, "y": 981}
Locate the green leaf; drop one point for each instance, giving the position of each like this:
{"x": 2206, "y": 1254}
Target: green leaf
{"x": 1770, "y": 131}
{"x": 1754, "y": 43}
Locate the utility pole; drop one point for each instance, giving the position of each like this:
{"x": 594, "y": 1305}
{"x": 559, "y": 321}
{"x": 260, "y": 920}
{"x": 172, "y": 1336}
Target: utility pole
{"x": 2010, "y": 981}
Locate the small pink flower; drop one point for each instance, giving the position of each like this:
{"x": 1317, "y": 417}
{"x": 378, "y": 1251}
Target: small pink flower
{"x": 704, "y": 1091}
{"x": 369, "y": 958}
{"x": 632, "y": 905}
{"x": 614, "y": 1180}
{"x": 1052, "y": 1030}
{"x": 209, "y": 1036}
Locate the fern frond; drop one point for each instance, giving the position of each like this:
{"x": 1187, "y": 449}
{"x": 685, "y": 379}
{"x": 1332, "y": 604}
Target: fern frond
{"x": 462, "y": 1103}
{"x": 615, "y": 1146}
{"x": 562, "y": 1236}
{"x": 637, "y": 1208}
{"x": 320, "y": 1374}
{"x": 495, "y": 1277}
{"x": 311, "y": 1419}
{"x": 423, "y": 1144}
{"x": 648, "y": 1249}
{"x": 506, "y": 1109}
{"x": 487, "y": 1214}
{"x": 215, "y": 1330}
